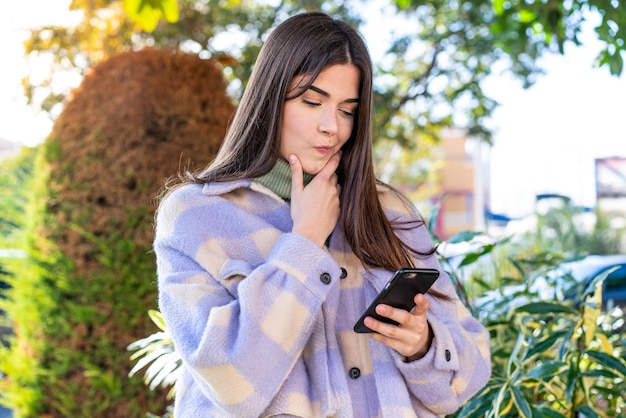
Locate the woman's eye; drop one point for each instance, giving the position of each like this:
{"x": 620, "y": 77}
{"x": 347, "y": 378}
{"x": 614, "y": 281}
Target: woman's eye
{"x": 310, "y": 103}
{"x": 347, "y": 113}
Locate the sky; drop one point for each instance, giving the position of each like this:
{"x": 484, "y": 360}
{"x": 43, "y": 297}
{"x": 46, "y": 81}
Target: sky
{"x": 546, "y": 137}
{"x": 19, "y": 122}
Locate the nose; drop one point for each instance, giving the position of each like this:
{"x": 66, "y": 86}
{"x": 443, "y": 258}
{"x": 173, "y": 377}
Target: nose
{"x": 328, "y": 122}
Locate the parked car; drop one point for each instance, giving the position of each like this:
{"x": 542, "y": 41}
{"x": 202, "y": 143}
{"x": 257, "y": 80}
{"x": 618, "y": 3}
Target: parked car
{"x": 587, "y": 269}
{"x": 569, "y": 280}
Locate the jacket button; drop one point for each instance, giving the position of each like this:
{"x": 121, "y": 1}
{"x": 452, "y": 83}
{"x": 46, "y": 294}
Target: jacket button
{"x": 448, "y": 355}
{"x": 355, "y": 373}
{"x": 344, "y": 273}
{"x": 325, "y": 278}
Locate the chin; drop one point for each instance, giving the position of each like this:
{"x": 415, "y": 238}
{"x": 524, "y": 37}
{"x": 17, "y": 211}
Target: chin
{"x": 312, "y": 170}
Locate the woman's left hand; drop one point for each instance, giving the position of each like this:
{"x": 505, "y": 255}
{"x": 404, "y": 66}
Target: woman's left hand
{"x": 412, "y": 337}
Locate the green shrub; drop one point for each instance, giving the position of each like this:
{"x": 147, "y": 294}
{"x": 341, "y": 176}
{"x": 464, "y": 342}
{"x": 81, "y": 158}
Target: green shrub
{"x": 549, "y": 357}
{"x": 15, "y": 178}
{"x": 80, "y": 295}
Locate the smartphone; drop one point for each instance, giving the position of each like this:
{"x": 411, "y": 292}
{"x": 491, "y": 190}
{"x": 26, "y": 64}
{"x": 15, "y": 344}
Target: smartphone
{"x": 399, "y": 292}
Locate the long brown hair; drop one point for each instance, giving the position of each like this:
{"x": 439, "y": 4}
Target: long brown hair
{"x": 305, "y": 44}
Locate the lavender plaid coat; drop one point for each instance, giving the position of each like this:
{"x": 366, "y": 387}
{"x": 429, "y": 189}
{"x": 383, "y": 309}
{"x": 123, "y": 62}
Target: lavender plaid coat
{"x": 263, "y": 318}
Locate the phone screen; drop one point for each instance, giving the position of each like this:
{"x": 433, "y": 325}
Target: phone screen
{"x": 399, "y": 292}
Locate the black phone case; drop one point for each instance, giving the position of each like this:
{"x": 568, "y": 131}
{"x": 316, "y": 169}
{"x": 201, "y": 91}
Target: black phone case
{"x": 399, "y": 292}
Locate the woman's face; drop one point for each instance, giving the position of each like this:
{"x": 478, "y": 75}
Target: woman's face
{"x": 317, "y": 123}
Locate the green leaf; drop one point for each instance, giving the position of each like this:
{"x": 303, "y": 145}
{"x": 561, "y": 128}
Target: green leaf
{"x": 403, "y": 4}
{"x": 543, "y": 345}
{"x": 571, "y": 380}
{"x": 564, "y": 347}
{"x": 432, "y": 223}
{"x": 472, "y": 257}
{"x": 608, "y": 361}
{"x": 601, "y": 373}
{"x": 170, "y": 10}
{"x": 478, "y": 405}
{"x": 616, "y": 64}
{"x": 498, "y": 7}
{"x": 544, "y": 412}
{"x": 546, "y": 308}
{"x": 148, "y": 12}
{"x": 464, "y": 236}
{"x": 480, "y": 282}
{"x": 469, "y": 258}
{"x": 527, "y": 16}
{"x": 523, "y": 407}
{"x": 591, "y": 312}
{"x": 588, "y": 412}
{"x": 597, "y": 282}
{"x": 157, "y": 318}
{"x": 547, "y": 369}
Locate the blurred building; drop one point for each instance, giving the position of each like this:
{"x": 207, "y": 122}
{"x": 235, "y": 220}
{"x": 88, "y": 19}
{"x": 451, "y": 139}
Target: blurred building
{"x": 464, "y": 187}
{"x": 464, "y": 179}
{"x": 611, "y": 190}
{"x": 611, "y": 185}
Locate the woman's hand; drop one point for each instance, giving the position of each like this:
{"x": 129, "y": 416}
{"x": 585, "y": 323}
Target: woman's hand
{"x": 315, "y": 208}
{"x": 412, "y": 337}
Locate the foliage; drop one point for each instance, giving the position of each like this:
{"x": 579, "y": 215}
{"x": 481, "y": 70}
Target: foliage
{"x": 550, "y": 24}
{"x": 163, "y": 362}
{"x": 571, "y": 231}
{"x": 430, "y": 76}
{"x": 63, "y": 358}
{"x": 157, "y": 350}
{"x": 148, "y": 14}
{"x": 14, "y": 180}
{"x": 80, "y": 295}
{"x": 549, "y": 357}
{"x": 15, "y": 177}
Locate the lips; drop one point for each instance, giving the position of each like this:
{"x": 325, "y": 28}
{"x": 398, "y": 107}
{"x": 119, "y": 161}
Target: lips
{"x": 324, "y": 150}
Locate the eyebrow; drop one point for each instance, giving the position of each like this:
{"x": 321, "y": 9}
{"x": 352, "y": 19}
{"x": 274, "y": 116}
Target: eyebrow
{"x": 326, "y": 94}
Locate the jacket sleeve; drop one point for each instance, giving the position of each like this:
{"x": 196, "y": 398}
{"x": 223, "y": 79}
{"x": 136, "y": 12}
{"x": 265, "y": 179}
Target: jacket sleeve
{"x": 238, "y": 326}
{"x": 458, "y": 363}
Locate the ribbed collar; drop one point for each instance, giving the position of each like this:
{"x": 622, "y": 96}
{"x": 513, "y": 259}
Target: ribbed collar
{"x": 278, "y": 179}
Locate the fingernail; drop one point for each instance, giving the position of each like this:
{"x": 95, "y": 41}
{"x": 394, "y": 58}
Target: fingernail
{"x": 292, "y": 159}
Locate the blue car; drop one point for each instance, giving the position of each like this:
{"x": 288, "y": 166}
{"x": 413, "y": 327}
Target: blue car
{"x": 568, "y": 281}
{"x": 587, "y": 269}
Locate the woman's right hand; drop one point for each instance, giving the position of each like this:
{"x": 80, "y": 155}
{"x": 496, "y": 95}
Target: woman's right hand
{"x": 315, "y": 208}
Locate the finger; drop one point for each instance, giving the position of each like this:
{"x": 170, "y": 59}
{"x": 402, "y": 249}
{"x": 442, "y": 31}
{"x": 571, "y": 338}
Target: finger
{"x": 405, "y": 342}
{"x": 331, "y": 166}
{"x": 421, "y": 305}
{"x": 382, "y": 328}
{"x": 400, "y": 316}
{"x": 297, "y": 184}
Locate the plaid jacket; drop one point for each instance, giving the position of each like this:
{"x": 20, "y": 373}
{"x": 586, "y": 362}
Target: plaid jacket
{"x": 263, "y": 318}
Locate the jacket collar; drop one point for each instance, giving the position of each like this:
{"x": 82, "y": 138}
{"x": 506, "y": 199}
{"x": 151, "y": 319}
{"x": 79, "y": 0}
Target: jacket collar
{"x": 223, "y": 187}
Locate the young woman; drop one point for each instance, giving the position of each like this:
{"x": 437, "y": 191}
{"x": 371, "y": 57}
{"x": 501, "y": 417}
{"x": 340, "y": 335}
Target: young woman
{"x": 268, "y": 257}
